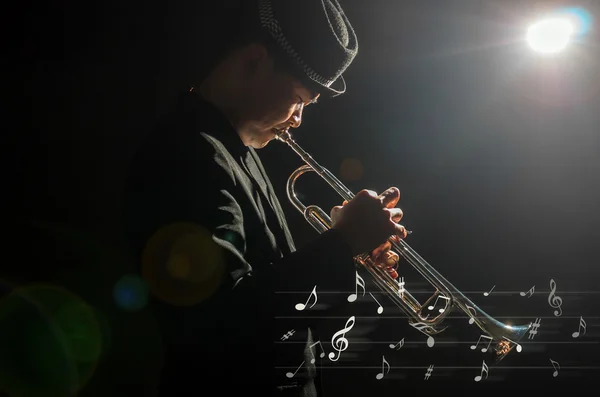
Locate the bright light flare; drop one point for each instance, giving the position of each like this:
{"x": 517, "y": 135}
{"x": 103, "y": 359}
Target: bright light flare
{"x": 550, "y": 35}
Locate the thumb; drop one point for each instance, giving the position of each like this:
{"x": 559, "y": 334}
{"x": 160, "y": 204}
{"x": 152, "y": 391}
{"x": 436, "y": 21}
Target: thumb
{"x": 335, "y": 212}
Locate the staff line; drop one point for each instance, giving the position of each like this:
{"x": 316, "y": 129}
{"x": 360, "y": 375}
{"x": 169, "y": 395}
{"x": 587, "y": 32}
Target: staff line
{"x": 430, "y": 292}
{"x": 452, "y": 342}
{"x": 454, "y": 317}
{"x": 441, "y": 367}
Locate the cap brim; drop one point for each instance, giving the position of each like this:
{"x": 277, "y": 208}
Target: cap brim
{"x": 338, "y": 87}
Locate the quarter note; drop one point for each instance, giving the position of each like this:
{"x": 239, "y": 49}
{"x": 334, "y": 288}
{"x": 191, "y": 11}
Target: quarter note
{"x": 302, "y": 306}
{"x": 530, "y": 292}
{"x": 436, "y": 301}
{"x": 361, "y": 282}
{"x": 380, "y": 308}
{"x": 556, "y": 367}
{"x": 421, "y": 327}
{"x": 489, "y": 292}
{"x": 312, "y": 361}
{"x": 483, "y": 349}
{"x": 398, "y": 345}
{"x": 291, "y": 375}
{"x": 383, "y": 364}
{"x": 583, "y": 325}
{"x": 484, "y": 369}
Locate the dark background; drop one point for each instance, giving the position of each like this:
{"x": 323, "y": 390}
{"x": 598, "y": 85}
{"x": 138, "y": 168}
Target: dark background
{"x": 494, "y": 148}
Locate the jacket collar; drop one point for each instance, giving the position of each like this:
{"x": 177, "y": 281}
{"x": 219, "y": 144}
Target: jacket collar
{"x": 211, "y": 119}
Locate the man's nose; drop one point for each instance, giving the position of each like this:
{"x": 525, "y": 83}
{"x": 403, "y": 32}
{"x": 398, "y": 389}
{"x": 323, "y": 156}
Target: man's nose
{"x": 296, "y": 117}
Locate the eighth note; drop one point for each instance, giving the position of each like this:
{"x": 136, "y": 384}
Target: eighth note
{"x": 380, "y": 375}
{"x": 291, "y": 375}
{"x": 380, "y": 308}
{"x": 302, "y": 306}
{"x": 483, "y": 349}
{"x": 530, "y": 292}
{"x": 583, "y": 325}
{"x": 361, "y": 282}
{"x": 489, "y": 292}
{"x": 312, "y": 361}
{"x": 555, "y": 373}
{"x": 472, "y": 314}
{"x": 430, "y": 307}
{"x": 398, "y": 345}
{"x": 484, "y": 368}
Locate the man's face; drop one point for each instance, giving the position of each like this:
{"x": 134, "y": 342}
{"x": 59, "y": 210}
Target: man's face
{"x": 275, "y": 100}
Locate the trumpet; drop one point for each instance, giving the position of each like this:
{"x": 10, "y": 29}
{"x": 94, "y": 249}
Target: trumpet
{"x": 503, "y": 337}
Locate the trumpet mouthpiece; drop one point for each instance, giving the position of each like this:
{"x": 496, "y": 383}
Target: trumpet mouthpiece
{"x": 283, "y": 135}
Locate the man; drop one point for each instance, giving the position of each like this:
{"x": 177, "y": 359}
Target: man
{"x": 211, "y": 236}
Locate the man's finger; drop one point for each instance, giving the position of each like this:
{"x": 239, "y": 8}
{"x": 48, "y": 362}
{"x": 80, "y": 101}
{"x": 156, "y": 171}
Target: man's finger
{"x": 401, "y": 231}
{"x": 396, "y": 214}
{"x": 390, "y": 197}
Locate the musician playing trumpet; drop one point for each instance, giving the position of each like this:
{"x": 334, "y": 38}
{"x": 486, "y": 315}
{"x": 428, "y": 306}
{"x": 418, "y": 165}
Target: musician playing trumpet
{"x": 210, "y": 235}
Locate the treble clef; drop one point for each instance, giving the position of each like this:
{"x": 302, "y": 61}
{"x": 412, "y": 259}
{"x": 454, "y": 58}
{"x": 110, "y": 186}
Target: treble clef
{"x": 553, "y": 300}
{"x": 339, "y": 341}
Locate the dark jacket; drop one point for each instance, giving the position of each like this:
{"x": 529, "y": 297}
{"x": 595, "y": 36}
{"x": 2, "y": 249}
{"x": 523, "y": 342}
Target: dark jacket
{"x": 220, "y": 312}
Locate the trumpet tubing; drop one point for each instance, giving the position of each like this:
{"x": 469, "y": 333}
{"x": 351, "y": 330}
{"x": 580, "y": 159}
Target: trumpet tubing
{"x": 505, "y": 337}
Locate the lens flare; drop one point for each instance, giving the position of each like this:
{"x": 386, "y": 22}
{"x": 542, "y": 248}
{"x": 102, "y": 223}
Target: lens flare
{"x": 550, "y": 35}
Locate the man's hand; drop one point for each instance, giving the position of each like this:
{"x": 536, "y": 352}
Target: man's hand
{"x": 369, "y": 220}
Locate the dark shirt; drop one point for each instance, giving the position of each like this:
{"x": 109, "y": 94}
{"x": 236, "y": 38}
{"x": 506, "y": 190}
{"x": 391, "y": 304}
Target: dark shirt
{"x": 193, "y": 176}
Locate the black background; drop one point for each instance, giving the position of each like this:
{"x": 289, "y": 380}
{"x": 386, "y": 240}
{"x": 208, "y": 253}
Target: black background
{"x": 494, "y": 148}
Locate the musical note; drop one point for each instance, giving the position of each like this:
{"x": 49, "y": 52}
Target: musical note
{"x": 421, "y": 327}
{"x": 291, "y": 375}
{"x": 398, "y": 345}
{"x": 489, "y": 292}
{"x": 484, "y": 368}
{"x": 380, "y": 308}
{"x": 533, "y": 331}
{"x": 288, "y": 334}
{"x": 312, "y": 361}
{"x": 339, "y": 342}
{"x": 429, "y": 371}
{"x": 583, "y": 325}
{"x": 518, "y": 347}
{"x": 361, "y": 282}
{"x": 553, "y": 300}
{"x": 435, "y": 303}
{"x": 555, "y": 373}
{"x": 530, "y": 292}
{"x": 381, "y": 374}
{"x": 473, "y": 314}
{"x": 401, "y": 286}
{"x": 483, "y": 349}
{"x": 302, "y": 306}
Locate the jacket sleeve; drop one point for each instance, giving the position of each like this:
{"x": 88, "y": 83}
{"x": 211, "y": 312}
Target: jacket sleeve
{"x": 202, "y": 261}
